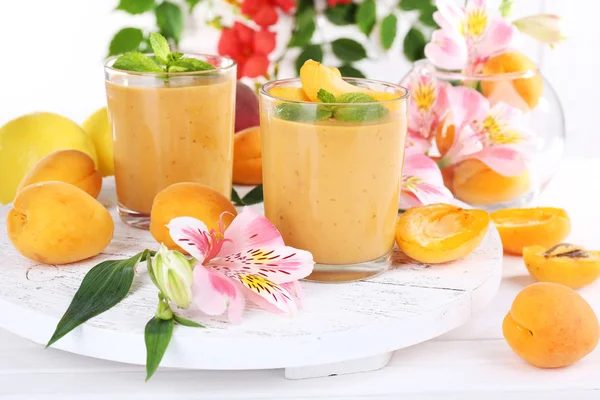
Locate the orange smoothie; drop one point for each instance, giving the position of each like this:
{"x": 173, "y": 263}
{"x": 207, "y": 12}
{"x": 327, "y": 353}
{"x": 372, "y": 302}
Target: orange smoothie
{"x": 332, "y": 187}
{"x": 164, "y": 133}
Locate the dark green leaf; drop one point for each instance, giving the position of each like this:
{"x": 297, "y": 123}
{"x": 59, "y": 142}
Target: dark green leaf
{"x": 325, "y": 97}
{"x": 104, "y": 286}
{"x": 426, "y": 16}
{"x": 236, "y": 199}
{"x": 350, "y": 72}
{"x": 366, "y": 16}
{"x": 160, "y": 47}
{"x": 302, "y": 5}
{"x": 388, "y": 31}
{"x": 174, "y": 56}
{"x": 302, "y": 113}
{"x": 192, "y": 4}
{"x": 305, "y": 27}
{"x": 136, "y": 62}
{"x": 310, "y": 52}
{"x": 342, "y": 14}
{"x": 187, "y": 322}
{"x": 126, "y": 40}
{"x": 360, "y": 113}
{"x": 157, "y": 337}
{"x": 348, "y": 50}
{"x": 136, "y": 6}
{"x": 414, "y": 45}
{"x": 169, "y": 19}
{"x": 254, "y": 196}
{"x": 415, "y": 5}
{"x": 192, "y": 64}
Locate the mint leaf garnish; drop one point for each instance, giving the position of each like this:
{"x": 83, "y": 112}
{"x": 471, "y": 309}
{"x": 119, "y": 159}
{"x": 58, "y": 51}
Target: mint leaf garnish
{"x": 303, "y": 113}
{"x": 354, "y": 98}
{"x": 136, "y": 62}
{"x": 174, "y": 56}
{"x": 360, "y": 113}
{"x": 175, "y": 68}
{"x": 191, "y": 64}
{"x": 325, "y": 96}
{"x": 161, "y": 48}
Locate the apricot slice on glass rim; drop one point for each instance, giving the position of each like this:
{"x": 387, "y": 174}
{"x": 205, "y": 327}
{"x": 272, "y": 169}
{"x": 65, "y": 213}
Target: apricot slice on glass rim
{"x": 521, "y": 227}
{"x": 439, "y": 233}
{"x": 565, "y": 263}
{"x": 289, "y": 93}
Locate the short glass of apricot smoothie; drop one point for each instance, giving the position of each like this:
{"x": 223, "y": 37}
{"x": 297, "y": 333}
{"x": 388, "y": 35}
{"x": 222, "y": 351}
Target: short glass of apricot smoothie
{"x": 332, "y": 171}
{"x": 170, "y": 127}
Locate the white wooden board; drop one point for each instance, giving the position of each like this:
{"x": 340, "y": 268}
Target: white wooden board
{"x": 339, "y": 325}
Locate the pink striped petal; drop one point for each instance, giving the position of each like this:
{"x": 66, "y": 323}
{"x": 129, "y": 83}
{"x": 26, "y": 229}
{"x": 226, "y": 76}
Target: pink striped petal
{"x": 296, "y": 290}
{"x": 427, "y": 193}
{"x": 423, "y": 167}
{"x": 449, "y": 15}
{"x": 446, "y": 50}
{"x": 278, "y": 263}
{"x": 408, "y": 200}
{"x": 466, "y": 105}
{"x": 250, "y": 230}
{"x": 192, "y": 235}
{"x": 214, "y": 293}
{"x": 415, "y": 141}
{"x": 498, "y": 37}
{"x": 266, "y": 293}
{"x": 505, "y": 160}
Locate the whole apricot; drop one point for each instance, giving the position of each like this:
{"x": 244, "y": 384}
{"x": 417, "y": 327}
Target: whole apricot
{"x": 69, "y": 166}
{"x": 521, "y": 227}
{"x": 247, "y": 157}
{"x": 246, "y": 107}
{"x": 57, "y": 223}
{"x": 188, "y": 199}
{"x": 550, "y": 326}
{"x": 475, "y": 183}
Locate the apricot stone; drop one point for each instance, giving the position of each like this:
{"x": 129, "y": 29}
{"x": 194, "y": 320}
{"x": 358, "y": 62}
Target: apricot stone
{"x": 57, "y": 223}
{"x": 188, "y": 199}
{"x": 550, "y": 326}
{"x": 69, "y": 166}
{"x": 247, "y": 157}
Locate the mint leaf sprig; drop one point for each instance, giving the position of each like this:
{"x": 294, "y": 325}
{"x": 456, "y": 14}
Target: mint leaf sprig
{"x": 163, "y": 61}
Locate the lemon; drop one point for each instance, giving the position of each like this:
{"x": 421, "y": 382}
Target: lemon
{"x": 98, "y": 127}
{"x": 27, "y": 139}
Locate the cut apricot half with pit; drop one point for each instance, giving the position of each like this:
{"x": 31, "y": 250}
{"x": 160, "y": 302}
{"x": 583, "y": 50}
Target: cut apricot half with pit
{"x": 440, "y": 233}
{"x": 521, "y": 227}
{"x": 564, "y": 263}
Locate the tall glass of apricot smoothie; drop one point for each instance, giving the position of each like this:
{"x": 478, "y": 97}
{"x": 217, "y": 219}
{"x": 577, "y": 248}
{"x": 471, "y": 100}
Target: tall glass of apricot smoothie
{"x": 332, "y": 152}
{"x": 169, "y": 127}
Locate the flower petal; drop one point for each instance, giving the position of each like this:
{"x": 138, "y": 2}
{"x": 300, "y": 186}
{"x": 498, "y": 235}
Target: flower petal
{"x": 256, "y": 65}
{"x": 408, "y": 200}
{"x": 296, "y": 290}
{"x": 266, "y": 293}
{"x": 214, "y": 293}
{"x": 466, "y": 105}
{"x": 264, "y": 42}
{"x": 423, "y": 167}
{"x": 415, "y": 141}
{"x": 498, "y": 37}
{"x": 427, "y": 193}
{"x": 449, "y": 15}
{"x": 446, "y": 50}
{"x": 250, "y": 230}
{"x": 192, "y": 235}
{"x": 505, "y": 160}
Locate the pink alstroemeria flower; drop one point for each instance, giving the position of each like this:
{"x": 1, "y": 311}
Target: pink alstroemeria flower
{"x": 491, "y": 135}
{"x": 422, "y": 182}
{"x": 248, "y": 260}
{"x": 468, "y": 36}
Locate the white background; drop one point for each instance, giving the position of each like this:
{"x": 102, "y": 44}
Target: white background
{"x": 52, "y": 54}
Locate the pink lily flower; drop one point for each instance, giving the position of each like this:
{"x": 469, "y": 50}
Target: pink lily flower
{"x": 247, "y": 261}
{"x": 468, "y": 36}
{"x": 422, "y": 182}
{"x": 489, "y": 134}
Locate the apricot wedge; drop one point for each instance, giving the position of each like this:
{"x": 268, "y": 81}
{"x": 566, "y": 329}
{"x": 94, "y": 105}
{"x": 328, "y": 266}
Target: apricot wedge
{"x": 289, "y": 93}
{"x": 521, "y": 227}
{"x": 564, "y": 263}
{"x": 440, "y": 233}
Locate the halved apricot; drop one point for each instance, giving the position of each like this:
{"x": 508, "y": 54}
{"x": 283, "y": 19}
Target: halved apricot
{"x": 289, "y": 93}
{"x": 564, "y": 263}
{"x": 444, "y": 137}
{"x": 247, "y": 157}
{"x": 439, "y": 233}
{"x": 522, "y": 227}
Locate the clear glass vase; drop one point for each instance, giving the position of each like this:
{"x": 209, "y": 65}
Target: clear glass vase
{"x": 498, "y": 138}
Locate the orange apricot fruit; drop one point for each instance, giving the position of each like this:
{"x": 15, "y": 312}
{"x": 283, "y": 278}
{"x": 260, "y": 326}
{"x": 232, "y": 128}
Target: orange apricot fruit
{"x": 444, "y": 137}
{"x": 523, "y": 93}
{"x": 247, "y": 157}
{"x": 289, "y": 93}
{"x": 551, "y": 326}
{"x": 522, "y": 227}
{"x": 564, "y": 263}
{"x": 440, "y": 233}
{"x": 477, "y": 184}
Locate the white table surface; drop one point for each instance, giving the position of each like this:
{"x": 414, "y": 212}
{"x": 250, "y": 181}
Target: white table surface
{"x": 471, "y": 362}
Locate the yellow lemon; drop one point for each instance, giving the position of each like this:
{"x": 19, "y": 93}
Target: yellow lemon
{"x": 98, "y": 127}
{"x": 27, "y": 139}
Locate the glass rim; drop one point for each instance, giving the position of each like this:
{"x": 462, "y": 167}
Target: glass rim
{"x": 405, "y": 92}
{"x": 427, "y": 67}
{"x": 232, "y": 64}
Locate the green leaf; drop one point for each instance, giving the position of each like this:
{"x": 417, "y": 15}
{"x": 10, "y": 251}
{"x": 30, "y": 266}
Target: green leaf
{"x": 104, "y": 286}
{"x": 414, "y": 45}
{"x": 136, "y": 6}
{"x": 303, "y": 5}
{"x": 169, "y": 19}
{"x": 348, "y": 50}
{"x": 192, "y": 64}
{"x": 161, "y": 48}
{"x": 312, "y": 51}
{"x": 350, "y": 72}
{"x": 366, "y": 16}
{"x": 389, "y": 26}
{"x": 355, "y": 97}
{"x": 192, "y": 4}
{"x": 187, "y": 322}
{"x": 302, "y": 113}
{"x": 360, "y": 113}
{"x": 414, "y": 5}
{"x": 254, "y": 196}
{"x": 126, "y": 40}
{"x": 175, "y": 68}
{"x": 174, "y": 56}
{"x": 325, "y": 97}
{"x": 342, "y": 14}
{"x": 136, "y": 62}
{"x": 157, "y": 336}
{"x": 236, "y": 199}
{"x": 426, "y": 16}
{"x": 305, "y": 27}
